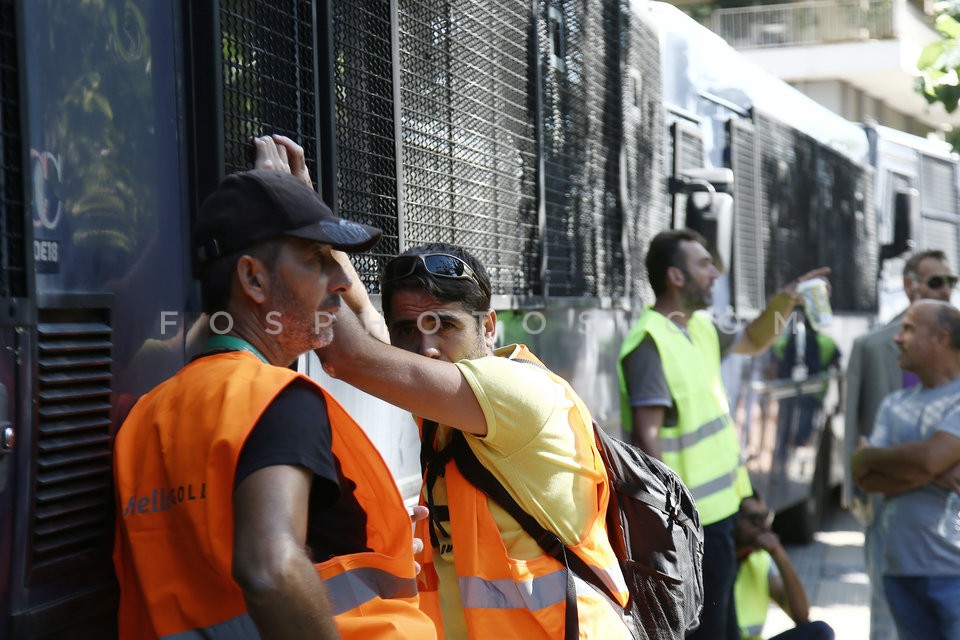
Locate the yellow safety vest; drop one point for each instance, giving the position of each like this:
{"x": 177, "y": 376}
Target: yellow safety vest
{"x": 751, "y": 594}
{"x": 702, "y": 447}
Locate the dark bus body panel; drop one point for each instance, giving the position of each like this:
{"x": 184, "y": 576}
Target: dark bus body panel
{"x": 553, "y": 140}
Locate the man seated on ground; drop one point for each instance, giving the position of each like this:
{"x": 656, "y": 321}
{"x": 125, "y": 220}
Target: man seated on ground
{"x": 765, "y": 572}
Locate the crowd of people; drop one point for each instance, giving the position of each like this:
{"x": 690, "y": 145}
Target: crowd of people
{"x": 251, "y": 505}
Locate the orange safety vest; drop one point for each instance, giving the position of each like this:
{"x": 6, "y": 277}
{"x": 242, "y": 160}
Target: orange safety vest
{"x": 504, "y": 597}
{"x": 175, "y": 460}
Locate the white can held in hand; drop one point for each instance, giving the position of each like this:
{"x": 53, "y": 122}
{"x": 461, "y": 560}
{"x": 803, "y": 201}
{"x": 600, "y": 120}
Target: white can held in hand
{"x": 816, "y": 302}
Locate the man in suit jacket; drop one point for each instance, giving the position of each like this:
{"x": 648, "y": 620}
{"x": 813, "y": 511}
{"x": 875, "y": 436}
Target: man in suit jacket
{"x": 872, "y": 374}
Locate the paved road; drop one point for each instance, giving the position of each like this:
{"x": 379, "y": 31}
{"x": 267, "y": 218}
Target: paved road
{"x": 832, "y": 571}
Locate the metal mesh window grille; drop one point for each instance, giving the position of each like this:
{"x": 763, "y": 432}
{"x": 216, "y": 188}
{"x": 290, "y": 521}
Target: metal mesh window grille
{"x": 365, "y": 137}
{"x": 73, "y": 506}
{"x": 583, "y": 116}
{"x": 939, "y": 183}
{"x": 468, "y": 145}
{"x": 643, "y": 135}
{"x": 750, "y": 228}
{"x": 817, "y": 204}
{"x": 940, "y": 206}
{"x": 269, "y": 78}
{"x": 13, "y": 258}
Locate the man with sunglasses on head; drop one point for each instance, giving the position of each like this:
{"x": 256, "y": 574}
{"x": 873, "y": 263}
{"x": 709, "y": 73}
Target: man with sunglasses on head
{"x": 872, "y": 374}
{"x": 482, "y": 575}
{"x": 766, "y": 572}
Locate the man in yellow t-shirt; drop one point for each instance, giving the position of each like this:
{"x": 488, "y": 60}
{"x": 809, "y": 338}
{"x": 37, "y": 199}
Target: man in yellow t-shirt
{"x": 482, "y": 574}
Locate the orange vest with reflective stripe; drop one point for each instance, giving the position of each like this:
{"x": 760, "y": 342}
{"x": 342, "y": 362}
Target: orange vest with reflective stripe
{"x": 507, "y": 598}
{"x": 175, "y": 459}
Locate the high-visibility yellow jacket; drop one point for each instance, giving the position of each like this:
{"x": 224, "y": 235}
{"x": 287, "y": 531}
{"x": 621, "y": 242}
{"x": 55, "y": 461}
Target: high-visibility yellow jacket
{"x": 175, "y": 460}
{"x": 751, "y": 594}
{"x": 503, "y": 597}
{"x": 702, "y": 447}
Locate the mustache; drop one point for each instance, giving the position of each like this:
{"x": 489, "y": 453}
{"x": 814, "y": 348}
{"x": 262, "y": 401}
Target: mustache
{"x": 331, "y": 301}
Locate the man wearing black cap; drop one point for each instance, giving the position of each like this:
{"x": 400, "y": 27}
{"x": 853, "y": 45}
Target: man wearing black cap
{"x": 249, "y": 503}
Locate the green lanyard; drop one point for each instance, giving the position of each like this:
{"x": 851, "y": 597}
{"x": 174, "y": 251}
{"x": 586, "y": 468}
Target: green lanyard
{"x": 234, "y": 343}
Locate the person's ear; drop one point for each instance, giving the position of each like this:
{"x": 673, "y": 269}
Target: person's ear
{"x": 488, "y": 328}
{"x": 676, "y": 277}
{"x": 253, "y": 279}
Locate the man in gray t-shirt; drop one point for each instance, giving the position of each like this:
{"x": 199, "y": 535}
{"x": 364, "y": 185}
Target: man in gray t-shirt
{"x": 913, "y": 458}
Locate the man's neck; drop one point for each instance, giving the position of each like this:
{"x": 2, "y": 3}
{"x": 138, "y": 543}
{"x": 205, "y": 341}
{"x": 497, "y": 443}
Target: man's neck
{"x": 672, "y": 309}
{"x": 944, "y": 375}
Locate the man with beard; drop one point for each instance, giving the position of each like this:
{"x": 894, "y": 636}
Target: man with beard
{"x": 674, "y": 406}
{"x": 250, "y": 503}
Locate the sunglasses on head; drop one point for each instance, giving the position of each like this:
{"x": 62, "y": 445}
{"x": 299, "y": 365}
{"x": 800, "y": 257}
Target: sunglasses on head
{"x": 936, "y": 282}
{"x": 442, "y": 265}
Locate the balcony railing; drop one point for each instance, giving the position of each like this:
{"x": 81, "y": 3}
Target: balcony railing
{"x": 804, "y": 23}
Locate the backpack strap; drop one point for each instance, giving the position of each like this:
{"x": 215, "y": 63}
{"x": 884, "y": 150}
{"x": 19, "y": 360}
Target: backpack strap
{"x": 480, "y": 477}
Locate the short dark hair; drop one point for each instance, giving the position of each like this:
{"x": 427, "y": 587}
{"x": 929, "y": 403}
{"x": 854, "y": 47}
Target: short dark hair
{"x": 472, "y": 296}
{"x": 216, "y": 276}
{"x": 948, "y": 319}
{"x": 664, "y": 252}
{"x": 911, "y": 266}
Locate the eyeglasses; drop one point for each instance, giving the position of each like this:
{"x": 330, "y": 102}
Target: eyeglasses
{"x": 443, "y": 265}
{"x": 936, "y": 282}
{"x": 758, "y": 518}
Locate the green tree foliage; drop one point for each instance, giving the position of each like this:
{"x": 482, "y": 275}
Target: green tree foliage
{"x": 939, "y": 62}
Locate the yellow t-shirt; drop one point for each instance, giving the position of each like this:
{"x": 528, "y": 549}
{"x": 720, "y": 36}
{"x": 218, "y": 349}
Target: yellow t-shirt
{"x": 531, "y": 450}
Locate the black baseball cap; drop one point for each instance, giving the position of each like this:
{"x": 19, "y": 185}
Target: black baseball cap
{"x": 252, "y": 206}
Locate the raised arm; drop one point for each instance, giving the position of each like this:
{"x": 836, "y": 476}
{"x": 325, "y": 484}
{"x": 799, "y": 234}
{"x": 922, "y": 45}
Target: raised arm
{"x": 785, "y": 589}
{"x": 760, "y": 333}
{"x": 280, "y": 153}
{"x": 426, "y": 387}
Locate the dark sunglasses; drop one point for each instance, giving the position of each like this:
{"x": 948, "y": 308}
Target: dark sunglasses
{"x": 758, "y": 518}
{"x": 443, "y": 265}
{"x": 935, "y": 282}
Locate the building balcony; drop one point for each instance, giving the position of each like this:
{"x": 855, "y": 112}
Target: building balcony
{"x": 857, "y": 57}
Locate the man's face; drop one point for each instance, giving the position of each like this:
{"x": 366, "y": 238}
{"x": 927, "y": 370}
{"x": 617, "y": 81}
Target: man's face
{"x": 754, "y": 520}
{"x": 933, "y": 280}
{"x": 419, "y": 323}
{"x": 699, "y": 274}
{"x": 304, "y": 294}
{"x": 917, "y": 338}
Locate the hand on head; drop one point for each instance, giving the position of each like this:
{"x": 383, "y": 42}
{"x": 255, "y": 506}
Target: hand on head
{"x": 280, "y": 153}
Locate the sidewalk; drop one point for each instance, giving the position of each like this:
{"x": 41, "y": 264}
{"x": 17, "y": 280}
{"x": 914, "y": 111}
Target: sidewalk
{"x": 832, "y": 570}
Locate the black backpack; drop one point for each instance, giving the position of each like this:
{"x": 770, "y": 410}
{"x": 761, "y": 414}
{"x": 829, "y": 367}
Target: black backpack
{"x": 653, "y": 526}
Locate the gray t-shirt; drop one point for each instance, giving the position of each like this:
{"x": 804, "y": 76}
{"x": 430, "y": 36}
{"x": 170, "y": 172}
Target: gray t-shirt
{"x": 913, "y": 547}
{"x": 646, "y": 382}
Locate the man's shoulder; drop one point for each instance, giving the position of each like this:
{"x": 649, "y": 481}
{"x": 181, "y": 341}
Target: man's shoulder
{"x": 878, "y": 336}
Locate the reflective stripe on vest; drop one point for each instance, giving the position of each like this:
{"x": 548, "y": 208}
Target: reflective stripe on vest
{"x": 174, "y": 564}
{"x": 687, "y": 440}
{"x": 544, "y": 591}
{"x": 239, "y": 628}
{"x": 702, "y": 448}
{"x": 353, "y": 588}
{"x": 507, "y": 598}
{"x": 751, "y": 593}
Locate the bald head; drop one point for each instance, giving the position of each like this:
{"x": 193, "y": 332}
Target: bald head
{"x": 929, "y": 341}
